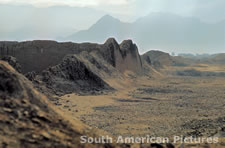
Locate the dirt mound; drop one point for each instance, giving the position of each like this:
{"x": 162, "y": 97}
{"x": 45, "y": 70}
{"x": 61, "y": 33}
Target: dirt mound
{"x": 131, "y": 58}
{"x": 62, "y": 68}
{"x": 99, "y": 65}
{"x": 13, "y": 62}
{"x": 157, "y": 58}
{"x": 27, "y": 119}
{"x": 39, "y": 55}
{"x": 72, "y": 75}
{"x": 124, "y": 56}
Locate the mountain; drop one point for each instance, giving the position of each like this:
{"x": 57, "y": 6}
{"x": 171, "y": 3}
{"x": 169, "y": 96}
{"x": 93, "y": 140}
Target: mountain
{"x": 159, "y": 31}
{"x": 168, "y": 31}
{"x": 100, "y": 31}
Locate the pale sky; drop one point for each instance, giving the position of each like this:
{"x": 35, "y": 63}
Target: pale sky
{"x": 129, "y": 10}
{"x": 52, "y": 19}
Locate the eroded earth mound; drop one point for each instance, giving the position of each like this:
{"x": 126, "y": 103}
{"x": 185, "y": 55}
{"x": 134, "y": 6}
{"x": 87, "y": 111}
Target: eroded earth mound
{"x": 27, "y": 119}
{"x": 72, "y": 75}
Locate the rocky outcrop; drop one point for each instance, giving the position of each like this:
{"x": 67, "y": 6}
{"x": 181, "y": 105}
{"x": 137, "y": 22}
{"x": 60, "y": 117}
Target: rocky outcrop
{"x": 27, "y": 119}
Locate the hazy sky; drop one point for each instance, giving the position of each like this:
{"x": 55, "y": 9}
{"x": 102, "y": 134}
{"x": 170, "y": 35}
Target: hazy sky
{"x": 52, "y": 19}
{"x": 129, "y": 10}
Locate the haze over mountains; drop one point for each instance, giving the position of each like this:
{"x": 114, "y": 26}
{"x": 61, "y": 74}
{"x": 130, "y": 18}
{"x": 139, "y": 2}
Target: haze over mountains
{"x": 30, "y": 23}
{"x": 165, "y": 31}
{"x": 159, "y": 31}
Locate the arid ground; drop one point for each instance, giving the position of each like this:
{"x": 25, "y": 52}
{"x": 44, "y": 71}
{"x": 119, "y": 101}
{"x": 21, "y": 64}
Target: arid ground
{"x": 165, "y": 105}
{"x": 112, "y": 90}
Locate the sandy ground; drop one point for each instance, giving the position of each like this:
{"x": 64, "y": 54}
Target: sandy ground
{"x": 161, "y": 106}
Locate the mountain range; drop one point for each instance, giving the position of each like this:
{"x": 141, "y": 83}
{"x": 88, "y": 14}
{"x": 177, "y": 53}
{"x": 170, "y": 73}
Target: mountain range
{"x": 165, "y": 31}
{"x": 159, "y": 31}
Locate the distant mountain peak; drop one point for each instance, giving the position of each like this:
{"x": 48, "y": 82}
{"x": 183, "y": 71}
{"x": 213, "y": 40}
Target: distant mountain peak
{"x": 157, "y": 31}
{"x": 108, "y": 18}
{"x": 105, "y": 22}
